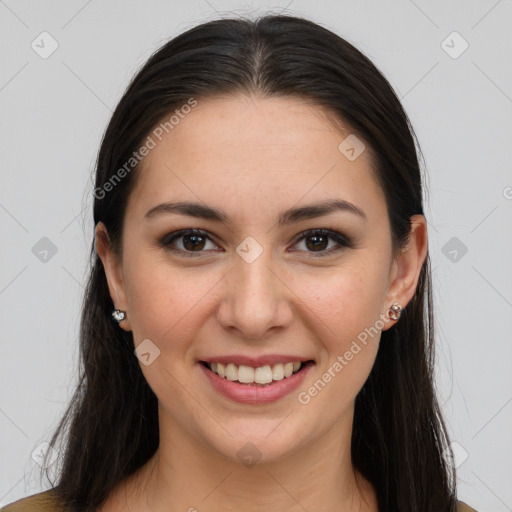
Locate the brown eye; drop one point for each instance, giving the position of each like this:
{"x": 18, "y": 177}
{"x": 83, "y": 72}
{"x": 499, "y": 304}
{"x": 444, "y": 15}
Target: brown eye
{"x": 318, "y": 241}
{"x": 187, "y": 241}
{"x": 192, "y": 242}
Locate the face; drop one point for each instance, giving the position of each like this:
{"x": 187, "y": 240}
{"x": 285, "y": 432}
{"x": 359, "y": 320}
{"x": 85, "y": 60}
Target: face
{"x": 265, "y": 279}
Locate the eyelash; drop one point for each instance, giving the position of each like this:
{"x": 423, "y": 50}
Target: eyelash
{"x": 340, "y": 239}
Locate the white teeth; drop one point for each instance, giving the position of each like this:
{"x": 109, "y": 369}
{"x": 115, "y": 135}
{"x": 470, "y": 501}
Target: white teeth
{"x": 278, "y": 372}
{"x": 231, "y": 372}
{"x": 249, "y": 375}
{"x": 263, "y": 375}
{"x": 245, "y": 374}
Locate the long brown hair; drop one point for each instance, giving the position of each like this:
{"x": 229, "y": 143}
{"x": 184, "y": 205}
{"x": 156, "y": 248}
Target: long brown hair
{"x": 110, "y": 428}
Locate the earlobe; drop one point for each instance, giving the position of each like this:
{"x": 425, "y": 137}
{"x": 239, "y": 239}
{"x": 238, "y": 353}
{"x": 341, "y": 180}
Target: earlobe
{"x": 408, "y": 264}
{"x": 113, "y": 270}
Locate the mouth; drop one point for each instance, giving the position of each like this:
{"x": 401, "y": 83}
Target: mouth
{"x": 260, "y": 376}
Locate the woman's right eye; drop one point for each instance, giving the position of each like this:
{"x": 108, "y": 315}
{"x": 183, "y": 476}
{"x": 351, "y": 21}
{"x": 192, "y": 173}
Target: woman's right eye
{"x": 187, "y": 241}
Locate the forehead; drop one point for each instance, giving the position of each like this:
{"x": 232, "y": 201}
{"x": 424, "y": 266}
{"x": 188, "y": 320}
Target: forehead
{"x": 252, "y": 151}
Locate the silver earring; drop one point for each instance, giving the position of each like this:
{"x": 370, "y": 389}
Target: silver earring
{"x": 118, "y": 315}
{"x": 395, "y": 311}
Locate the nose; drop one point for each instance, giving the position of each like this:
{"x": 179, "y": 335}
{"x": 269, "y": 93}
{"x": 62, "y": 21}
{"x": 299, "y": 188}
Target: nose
{"x": 256, "y": 299}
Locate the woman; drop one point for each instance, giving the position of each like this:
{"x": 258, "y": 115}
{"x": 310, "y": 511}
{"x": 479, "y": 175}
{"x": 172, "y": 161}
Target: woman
{"x": 260, "y": 242}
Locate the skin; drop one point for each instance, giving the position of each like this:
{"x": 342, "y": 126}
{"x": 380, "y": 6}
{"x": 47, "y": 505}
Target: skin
{"x": 253, "y": 158}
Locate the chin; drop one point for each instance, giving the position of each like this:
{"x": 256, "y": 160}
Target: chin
{"x": 254, "y": 442}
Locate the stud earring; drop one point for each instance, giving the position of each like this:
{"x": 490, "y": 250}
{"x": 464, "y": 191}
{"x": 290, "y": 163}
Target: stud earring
{"x": 118, "y": 315}
{"x": 395, "y": 311}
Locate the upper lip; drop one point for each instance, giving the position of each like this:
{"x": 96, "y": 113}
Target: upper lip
{"x": 255, "y": 362}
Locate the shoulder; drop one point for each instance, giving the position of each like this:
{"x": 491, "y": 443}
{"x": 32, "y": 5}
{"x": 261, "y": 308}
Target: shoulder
{"x": 465, "y": 508}
{"x": 46, "y": 501}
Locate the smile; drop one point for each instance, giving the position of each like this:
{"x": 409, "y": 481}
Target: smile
{"x": 261, "y": 375}
{"x": 255, "y": 384}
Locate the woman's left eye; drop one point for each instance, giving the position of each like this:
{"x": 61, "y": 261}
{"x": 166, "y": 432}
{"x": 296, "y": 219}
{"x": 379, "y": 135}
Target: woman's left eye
{"x": 189, "y": 241}
{"x": 318, "y": 241}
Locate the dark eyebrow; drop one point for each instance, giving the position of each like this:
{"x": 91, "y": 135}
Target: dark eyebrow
{"x": 288, "y": 217}
{"x": 318, "y": 209}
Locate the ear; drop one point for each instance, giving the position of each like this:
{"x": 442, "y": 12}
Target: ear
{"x": 113, "y": 272}
{"x": 407, "y": 265}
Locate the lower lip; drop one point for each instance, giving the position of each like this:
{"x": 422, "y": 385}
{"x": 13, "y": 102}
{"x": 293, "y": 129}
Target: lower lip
{"x": 248, "y": 394}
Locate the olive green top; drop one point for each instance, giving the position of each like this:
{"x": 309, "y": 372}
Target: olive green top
{"x": 47, "y": 502}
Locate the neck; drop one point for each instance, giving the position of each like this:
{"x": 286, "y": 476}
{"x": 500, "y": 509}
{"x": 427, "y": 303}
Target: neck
{"x": 185, "y": 474}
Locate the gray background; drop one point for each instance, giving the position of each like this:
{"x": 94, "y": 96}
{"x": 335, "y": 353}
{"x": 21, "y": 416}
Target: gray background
{"x": 54, "y": 111}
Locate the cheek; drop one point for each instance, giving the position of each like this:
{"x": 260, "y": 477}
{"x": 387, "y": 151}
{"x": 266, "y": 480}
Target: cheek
{"x": 165, "y": 302}
{"x": 345, "y": 300}
{"x": 346, "y": 307}
{"x": 347, "y": 327}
